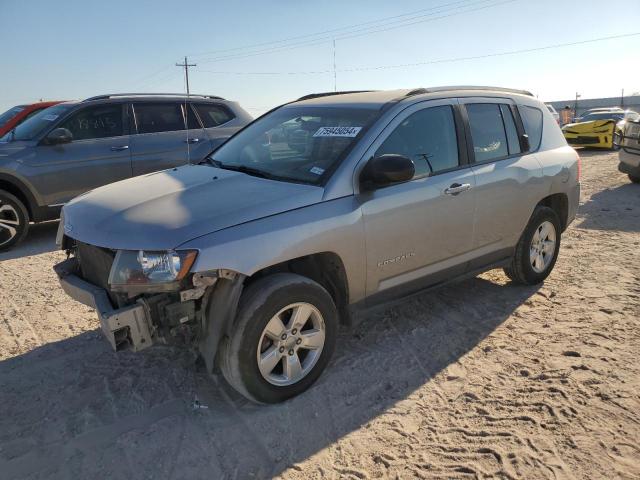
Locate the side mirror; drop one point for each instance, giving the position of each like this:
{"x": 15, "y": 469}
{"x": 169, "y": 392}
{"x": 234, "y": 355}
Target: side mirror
{"x": 58, "y": 136}
{"x": 524, "y": 142}
{"x": 387, "y": 170}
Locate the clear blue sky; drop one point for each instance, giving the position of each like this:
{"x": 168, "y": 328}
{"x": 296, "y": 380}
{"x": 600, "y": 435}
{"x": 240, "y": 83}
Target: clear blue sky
{"x": 77, "y": 48}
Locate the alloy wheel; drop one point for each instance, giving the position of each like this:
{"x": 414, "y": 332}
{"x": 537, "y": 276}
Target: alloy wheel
{"x": 543, "y": 246}
{"x": 291, "y": 344}
{"x": 9, "y": 223}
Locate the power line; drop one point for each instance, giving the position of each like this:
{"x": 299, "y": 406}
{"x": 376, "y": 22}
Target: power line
{"x": 361, "y": 32}
{"x": 308, "y": 35}
{"x": 430, "y": 62}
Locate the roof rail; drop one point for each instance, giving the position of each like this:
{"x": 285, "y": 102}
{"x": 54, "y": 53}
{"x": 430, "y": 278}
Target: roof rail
{"x": 419, "y": 91}
{"x": 114, "y": 95}
{"x": 328, "y": 94}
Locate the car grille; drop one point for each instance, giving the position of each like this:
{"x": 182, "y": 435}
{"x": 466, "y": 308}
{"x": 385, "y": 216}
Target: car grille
{"x": 583, "y": 140}
{"x": 95, "y": 264}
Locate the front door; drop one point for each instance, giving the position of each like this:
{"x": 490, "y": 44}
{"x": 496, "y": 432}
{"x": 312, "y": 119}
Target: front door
{"x": 97, "y": 155}
{"x": 418, "y": 231}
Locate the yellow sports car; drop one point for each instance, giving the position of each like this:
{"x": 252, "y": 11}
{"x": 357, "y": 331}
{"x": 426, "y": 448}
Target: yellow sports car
{"x": 597, "y": 129}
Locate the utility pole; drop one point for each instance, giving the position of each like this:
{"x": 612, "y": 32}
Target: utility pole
{"x": 575, "y": 108}
{"x": 186, "y": 66}
{"x": 622, "y": 99}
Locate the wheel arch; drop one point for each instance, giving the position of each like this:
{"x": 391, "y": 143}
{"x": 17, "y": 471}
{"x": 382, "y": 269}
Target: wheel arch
{"x": 559, "y": 203}
{"x": 19, "y": 190}
{"x": 324, "y": 268}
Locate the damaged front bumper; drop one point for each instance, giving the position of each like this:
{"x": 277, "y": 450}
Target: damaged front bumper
{"x": 129, "y": 327}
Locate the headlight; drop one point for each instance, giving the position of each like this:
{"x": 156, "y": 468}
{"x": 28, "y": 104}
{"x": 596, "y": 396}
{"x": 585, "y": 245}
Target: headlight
{"x": 150, "y": 269}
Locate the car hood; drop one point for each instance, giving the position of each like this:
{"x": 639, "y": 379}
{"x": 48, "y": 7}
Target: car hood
{"x": 163, "y": 210}
{"x": 589, "y": 127}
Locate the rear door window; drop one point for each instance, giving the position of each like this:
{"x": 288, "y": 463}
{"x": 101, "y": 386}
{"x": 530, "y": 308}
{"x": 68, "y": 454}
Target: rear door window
{"x": 159, "y": 117}
{"x": 213, "y": 115}
{"x": 487, "y": 131}
{"x": 100, "y": 121}
{"x": 532, "y": 120}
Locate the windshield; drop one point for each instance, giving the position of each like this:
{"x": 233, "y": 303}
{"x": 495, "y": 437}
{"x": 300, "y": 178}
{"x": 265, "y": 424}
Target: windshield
{"x": 9, "y": 114}
{"x": 603, "y": 116}
{"x": 300, "y": 144}
{"x": 34, "y": 126}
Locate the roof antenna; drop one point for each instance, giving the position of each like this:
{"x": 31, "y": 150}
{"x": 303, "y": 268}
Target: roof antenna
{"x": 186, "y": 66}
{"x": 335, "y": 79}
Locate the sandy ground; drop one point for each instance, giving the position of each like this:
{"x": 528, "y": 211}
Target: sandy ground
{"x": 482, "y": 379}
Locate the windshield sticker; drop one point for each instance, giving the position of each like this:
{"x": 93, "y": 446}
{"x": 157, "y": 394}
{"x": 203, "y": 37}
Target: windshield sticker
{"x": 337, "y": 132}
{"x": 50, "y": 117}
{"x": 317, "y": 170}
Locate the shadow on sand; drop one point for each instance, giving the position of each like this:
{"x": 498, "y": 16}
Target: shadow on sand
{"x": 40, "y": 239}
{"x": 74, "y": 409}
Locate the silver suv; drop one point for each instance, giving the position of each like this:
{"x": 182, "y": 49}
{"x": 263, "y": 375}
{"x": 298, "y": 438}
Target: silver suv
{"x": 73, "y": 147}
{"x": 319, "y": 210}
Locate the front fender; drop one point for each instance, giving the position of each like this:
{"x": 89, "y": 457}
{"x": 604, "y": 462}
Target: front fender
{"x": 334, "y": 226}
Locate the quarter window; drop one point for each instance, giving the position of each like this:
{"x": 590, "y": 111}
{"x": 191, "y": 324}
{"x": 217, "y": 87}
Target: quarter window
{"x": 213, "y": 115}
{"x": 159, "y": 117}
{"x": 101, "y": 121}
{"x": 532, "y": 120}
{"x": 487, "y": 131}
{"x": 428, "y": 137}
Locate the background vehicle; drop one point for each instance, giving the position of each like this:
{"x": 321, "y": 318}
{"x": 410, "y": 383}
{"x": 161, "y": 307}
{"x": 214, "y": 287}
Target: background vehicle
{"x": 554, "y": 112}
{"x": 595, "y": 129}
{"x": 73, "y": 147}
{"x": 256, "y": 257}
{"x": 18, "y": 114}
{"x": 629, "y": 155}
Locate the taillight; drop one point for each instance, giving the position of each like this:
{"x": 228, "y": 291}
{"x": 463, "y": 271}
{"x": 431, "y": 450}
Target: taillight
{"x": 579, "y": 166}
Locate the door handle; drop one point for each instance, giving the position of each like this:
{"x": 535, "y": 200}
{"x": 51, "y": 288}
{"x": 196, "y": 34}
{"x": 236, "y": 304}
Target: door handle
{"x": 120, "y": 148}
{"x": 192, "y": 140}
{"x": 457, "y": 188}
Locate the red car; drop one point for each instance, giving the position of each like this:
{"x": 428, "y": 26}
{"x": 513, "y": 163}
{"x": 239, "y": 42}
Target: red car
{"x": 16, "y": 115}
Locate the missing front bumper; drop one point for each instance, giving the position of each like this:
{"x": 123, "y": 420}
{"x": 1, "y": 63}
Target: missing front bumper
{"x": 126, "y": 328}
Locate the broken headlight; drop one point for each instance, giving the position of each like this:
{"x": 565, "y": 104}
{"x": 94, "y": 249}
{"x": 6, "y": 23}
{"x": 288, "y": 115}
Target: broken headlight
{"x": 138, "y": 270}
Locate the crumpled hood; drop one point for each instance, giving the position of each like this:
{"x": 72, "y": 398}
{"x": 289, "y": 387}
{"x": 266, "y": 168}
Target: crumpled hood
{"x": 589, "y": 127}
{"x": 163, "y": 210}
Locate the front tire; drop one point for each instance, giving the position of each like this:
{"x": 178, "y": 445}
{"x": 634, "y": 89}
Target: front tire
{"x": 14, "y": 220}
{"x": 282, "y": 339}
{"x": 537, "y": 250}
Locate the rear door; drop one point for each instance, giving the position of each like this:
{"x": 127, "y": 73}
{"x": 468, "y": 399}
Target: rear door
{"x": 161, "y": 138}
{"x": 97, "y": 155}
{"x": 216, "y": 118}
{"x": 508, "y": 180}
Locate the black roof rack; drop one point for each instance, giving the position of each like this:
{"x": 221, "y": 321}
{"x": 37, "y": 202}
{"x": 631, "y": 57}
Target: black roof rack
{"x": 114, "y": 95}
{"x": 328, "y": 94}
{"x": 419, "y": 91}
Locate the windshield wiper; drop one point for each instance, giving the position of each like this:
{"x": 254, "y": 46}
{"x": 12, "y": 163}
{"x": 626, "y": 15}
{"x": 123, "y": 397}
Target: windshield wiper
{"x": 239, "y": 168}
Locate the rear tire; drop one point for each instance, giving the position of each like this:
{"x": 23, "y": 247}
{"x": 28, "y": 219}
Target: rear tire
{"x": 267, "y": 359}
{"x": 537, "y": 250}
{"x": 634, "y": 179}
{"x": 14, "y": 220}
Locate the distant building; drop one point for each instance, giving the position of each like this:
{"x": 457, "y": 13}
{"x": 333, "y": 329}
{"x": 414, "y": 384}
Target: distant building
{"x": 631, "y": 102}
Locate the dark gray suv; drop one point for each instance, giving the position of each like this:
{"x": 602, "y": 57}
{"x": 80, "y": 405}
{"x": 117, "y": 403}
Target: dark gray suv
{"x": 74, "y": 147}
